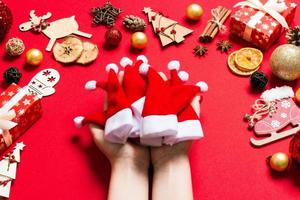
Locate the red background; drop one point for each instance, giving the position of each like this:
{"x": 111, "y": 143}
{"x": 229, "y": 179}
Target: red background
{"x": 61, "y": 162}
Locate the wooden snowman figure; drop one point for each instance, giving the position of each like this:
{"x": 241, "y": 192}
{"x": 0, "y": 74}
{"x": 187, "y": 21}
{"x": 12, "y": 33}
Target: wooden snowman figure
{"x": 8, "y": 169}
{"x": 42, "y": 84}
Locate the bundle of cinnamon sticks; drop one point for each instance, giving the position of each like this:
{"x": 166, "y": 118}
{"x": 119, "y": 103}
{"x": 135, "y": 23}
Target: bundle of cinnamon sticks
{"x": 220, "y": 14}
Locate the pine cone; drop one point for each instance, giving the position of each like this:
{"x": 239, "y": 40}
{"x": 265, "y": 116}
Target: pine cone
{"x": 293, "y": 36}
{"x": 134, "y": 23}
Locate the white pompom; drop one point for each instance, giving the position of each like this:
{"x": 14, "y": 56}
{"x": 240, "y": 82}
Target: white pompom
{"x": 78, "y": 121}
{"x": 174, "y": 64}
{"x": 183, "y": 75}
{"x": 112, "y": 66}
{"x": 144, "y": 67}
{"x": 203, "y": 86}
{"x": 142, "y": 58}
{"x": 90, "y": 85}
{"x": 125, "y": 61}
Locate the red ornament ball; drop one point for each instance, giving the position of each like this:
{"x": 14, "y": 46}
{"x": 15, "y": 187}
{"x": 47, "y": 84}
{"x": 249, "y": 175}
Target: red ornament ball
{"x": 5, "y": 19}
{"x": 113, "y": 37}
{"x": 295, "y": 148}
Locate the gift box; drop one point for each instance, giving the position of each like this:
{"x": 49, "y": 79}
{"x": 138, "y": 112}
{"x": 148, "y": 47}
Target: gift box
{"x": 26, "y": 108}
{"x": 252, "y": 22}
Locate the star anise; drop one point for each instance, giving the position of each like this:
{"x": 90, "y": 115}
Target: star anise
{"x": 200, "y": 50}
{"x": 224, "y": 46}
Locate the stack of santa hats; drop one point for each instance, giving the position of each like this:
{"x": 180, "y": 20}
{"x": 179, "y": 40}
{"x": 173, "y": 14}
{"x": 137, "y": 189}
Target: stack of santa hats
{"x": 147, "y": 106}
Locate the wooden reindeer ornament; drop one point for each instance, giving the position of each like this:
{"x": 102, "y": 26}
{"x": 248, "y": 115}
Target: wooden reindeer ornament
{"x": 53, "y": 30}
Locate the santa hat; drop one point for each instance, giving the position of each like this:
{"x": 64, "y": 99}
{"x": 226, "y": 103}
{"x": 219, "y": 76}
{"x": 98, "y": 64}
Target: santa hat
{"x": 96, "y": 118}
{"x": 189, "y": 126}
{"x": 133, "y": 84}
{"x": 119, "y": 119}
{"x": 159, "y": 119}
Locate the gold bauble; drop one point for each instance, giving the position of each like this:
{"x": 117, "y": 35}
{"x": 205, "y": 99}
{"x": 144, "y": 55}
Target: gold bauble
{"x": 194, "y": 11}
{"x": 279, "y": 162}
{"x": 139, "y": 40}
{"x": 285, "y": 62}
{"x": 34, "y": 57}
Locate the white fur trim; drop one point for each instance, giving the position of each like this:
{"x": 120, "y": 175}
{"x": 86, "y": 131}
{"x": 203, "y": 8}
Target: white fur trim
{"x": 125, "y": 61}
{"x": 112, "y": 66}
{"x": 78, "y": 121}
{"x": 187, "y": 130}
{"x": 174, "y": 64}
{"x": 136, "y": 129}
{"x": 119, "y": 124}
{"x": 203, "y": 86}
{"x": 277, "y": 93}
{"x": 154, "y": 142}
{"x": 142, "y": 58}
{"x": 144, "y": 67}
{"x": 159, "y": 125}
{"x": 91, "y": 85}
{"x": 183, "y": 75}
{"x": 138, "y": 105}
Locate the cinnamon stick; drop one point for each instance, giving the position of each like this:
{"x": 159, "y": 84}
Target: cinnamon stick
{"x": 211, "y": 29}
{"x": 214, "y": 33}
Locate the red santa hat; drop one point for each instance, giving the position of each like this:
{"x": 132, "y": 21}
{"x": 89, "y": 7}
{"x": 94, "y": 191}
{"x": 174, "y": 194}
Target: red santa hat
{"x": 133, "y": 83}
{"x": 119, "y": 118}
{"x": 189, "y": 126}
{"x": 96, "y": 118}
{"x": 159, "y": 118}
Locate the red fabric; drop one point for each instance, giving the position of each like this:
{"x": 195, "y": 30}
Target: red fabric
{"x": 61, "y": 162}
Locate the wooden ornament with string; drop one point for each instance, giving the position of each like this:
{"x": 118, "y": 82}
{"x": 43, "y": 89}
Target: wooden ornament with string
{"x": 168, "y": 30}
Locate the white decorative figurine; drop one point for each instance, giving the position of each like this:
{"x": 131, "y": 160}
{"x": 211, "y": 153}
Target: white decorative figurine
{"x": 53, "y": 30}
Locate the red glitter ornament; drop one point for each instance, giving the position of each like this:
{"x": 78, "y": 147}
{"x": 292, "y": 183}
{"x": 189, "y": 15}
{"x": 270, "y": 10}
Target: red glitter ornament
{"x": 5, "y": 19}
{"x": 295, "y": 148}
{"x": 113, "y": 37}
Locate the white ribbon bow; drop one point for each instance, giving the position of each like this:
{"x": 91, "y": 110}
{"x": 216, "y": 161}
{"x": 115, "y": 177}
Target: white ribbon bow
{"x": 6, "y": 124}
{"x": 272, "y": 7}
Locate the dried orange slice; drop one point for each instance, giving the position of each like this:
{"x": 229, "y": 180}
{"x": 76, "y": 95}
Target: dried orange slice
{"x": 248, "y": 59}
{"x": 234, "y": 69}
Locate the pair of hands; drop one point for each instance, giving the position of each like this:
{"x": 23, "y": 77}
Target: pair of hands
{"x": 137, "y": 154}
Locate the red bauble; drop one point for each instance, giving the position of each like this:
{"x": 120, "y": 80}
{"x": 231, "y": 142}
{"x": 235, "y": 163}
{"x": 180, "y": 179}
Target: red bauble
{"x": 113, "y": 37}
{"x": 5, "y": 19}
{"x": 295, "y": 148}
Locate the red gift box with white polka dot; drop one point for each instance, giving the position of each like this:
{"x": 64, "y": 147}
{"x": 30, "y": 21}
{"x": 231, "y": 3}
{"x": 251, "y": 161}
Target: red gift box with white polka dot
{"x": 28, "y": 111}
{"x": 265, "y": 31}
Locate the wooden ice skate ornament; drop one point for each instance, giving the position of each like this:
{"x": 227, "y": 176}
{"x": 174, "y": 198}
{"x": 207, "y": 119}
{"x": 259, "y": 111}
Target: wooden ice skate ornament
{"x": 42, "y": 84}
{"x": 272, "y": 113}
{"x": 8, "y": 169}
{"x": 169, "y": 31}
{"x": 53, "y": 30}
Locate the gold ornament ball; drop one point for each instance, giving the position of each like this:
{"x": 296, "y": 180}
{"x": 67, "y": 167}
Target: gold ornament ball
{"x": 34, "y": 57}
{"x": 139, "y": 40}
{"x": 194, "y": 11}
{"x": 297, "y": 95}
{"x": 279, "y": 162}
{"x": 285, "y": 62}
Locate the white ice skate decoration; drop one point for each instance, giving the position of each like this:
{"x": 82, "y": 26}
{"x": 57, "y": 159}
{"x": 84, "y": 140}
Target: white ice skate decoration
{"x": 54, "y": 30}
{"x": 272, "y": 113}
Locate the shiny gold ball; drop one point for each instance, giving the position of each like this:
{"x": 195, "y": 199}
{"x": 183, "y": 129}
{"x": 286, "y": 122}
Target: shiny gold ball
{"x": 139, "y": 40}
{"x": 34, "y": 57}
{"x": 194, "y": 11}
{"x": 279, "y": 162}
{"x": 285, "y": 62}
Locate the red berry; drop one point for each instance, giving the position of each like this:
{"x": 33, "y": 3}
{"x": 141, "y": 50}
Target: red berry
{"x": 5, "y": 19}
{"x": 113, "y": 37}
